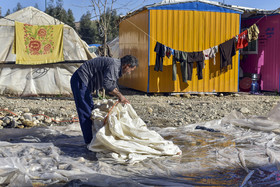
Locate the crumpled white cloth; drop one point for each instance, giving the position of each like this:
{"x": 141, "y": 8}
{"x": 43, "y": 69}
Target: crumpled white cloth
{"x": 125, "y": 137}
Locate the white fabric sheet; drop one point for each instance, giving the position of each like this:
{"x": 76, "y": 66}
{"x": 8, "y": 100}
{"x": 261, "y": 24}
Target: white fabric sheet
{"x": 125, "y": 136}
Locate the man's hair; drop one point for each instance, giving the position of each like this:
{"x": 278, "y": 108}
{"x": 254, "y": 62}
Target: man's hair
{"x": 130, "y": 60}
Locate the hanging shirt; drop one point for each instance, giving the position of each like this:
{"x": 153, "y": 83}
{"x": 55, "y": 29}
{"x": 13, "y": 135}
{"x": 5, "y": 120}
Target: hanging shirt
{"x": 211, "y": 53}
{"x": 160, "y": 50}
{"x": 242, "y": 40}
{"x": 227, "y": 50}
{"x": 253, "y": 33}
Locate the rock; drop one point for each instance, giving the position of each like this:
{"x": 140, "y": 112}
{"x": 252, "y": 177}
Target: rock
{"x": 14, "y": 124}
{"x": 150, "y": 110}
{"x": 48, "y": 120}
{"x": 40, "y": 117}
{"x": 267, "y": 101}
{"x": 7, "y": 120}
{"x": 187, "y": 96}
{"x": 221, "y": 95}
{"x": 26, "y": 110}
{"x": 62, "y": 109}
{"x": 27, "y": 116}
{"x": 20, "y": 126}
{"x": 244, "y": 110}
{"x": 1, "y": 123}
{"x": 236, "y": 95}
{"x": 28, "y": 123}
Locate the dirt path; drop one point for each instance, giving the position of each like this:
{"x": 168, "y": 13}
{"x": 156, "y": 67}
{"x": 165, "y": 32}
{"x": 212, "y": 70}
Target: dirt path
{"x": 155, "y": 110}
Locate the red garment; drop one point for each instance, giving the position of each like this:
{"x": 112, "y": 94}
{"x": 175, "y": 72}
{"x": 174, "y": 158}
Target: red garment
{"x": 242, "y": 40}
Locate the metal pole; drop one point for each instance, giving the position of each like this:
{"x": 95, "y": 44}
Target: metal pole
{"x": 45, "y": 5}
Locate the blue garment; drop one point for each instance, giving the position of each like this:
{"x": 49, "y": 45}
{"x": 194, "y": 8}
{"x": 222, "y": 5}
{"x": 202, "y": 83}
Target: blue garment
{"x": 84, "y": 105}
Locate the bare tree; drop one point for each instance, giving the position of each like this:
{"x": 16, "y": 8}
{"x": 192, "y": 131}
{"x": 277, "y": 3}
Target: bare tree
{"x": 100, "y": 7}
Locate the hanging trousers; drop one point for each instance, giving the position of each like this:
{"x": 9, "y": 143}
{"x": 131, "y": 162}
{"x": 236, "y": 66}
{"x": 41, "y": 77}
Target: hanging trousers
{"x": 197, "y": 57}
{"x": 182, "y": 58}
{"x": 84, "y": 104}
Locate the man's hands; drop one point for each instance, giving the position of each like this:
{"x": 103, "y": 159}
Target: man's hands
{"x": 123, "y": 100}
{"x": 117, "y": 93}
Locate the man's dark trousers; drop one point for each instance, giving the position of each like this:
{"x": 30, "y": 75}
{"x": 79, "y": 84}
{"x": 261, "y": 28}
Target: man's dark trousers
{"x": 84, "y": 104}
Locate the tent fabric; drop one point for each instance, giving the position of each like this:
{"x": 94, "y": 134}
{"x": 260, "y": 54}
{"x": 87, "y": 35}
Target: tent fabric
{"x": 34, "y": 80}
{"x": 73, "y": 47}
{"x": 125, "y": 137}
{"x": 45, "y": 79}
{"x": 38, "y": 44}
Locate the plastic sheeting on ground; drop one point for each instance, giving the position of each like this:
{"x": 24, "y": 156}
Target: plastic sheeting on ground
{"x": 47, "y": 79}
{"x": 237, "y": 155}
{"x": 124, "y": 136}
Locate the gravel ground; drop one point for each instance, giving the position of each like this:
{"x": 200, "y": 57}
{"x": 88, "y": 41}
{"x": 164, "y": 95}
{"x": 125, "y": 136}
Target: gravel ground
{"x": 154, "y": 109}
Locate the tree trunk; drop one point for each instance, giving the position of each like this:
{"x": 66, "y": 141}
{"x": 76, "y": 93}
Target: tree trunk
{"x": 105, "y": 54}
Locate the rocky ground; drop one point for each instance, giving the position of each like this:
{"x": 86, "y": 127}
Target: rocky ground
{"x": 155, "y": 109}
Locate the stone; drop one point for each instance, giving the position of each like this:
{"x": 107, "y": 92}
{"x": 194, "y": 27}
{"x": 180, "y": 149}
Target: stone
{"x": 7, "y": 120}
{"x": 28, "y": 123}
{"x": 27, "y": 116}
{"x": 48, "y": 120}
{"x": 244, "y": 110}
{"x": 26, "y": 110}
{"x": 20, "y": 126}
{"x": 187, "y": 96}
{"x": 150, "y": 110}
{"x": 14, "y": 124}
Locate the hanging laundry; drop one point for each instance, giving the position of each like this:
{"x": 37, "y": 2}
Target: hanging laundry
{"x": 227, "y": 50}
{"x": 197, "y": 57}
{"x": 211, "y": 53}
{"x": 168, "y": 52}
{"x": 242, "y": 40}
{"x": 160, "y": 50}
{"x": 253, "y": 33}
{"x": 38, "y": 44}
{"x": 180, "y": 56}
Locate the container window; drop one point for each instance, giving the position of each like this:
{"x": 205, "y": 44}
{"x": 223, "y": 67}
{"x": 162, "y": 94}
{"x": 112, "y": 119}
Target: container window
{"x": 252, "y": 48}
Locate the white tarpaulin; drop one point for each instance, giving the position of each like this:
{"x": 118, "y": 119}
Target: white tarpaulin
{"x": 125, "y": 137}
{"x": 239, "y": 152}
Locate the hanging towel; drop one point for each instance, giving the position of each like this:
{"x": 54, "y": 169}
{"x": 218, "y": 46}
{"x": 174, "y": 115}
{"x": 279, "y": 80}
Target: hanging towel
{"x": 242, "y": 40}
{"x": 211, "y": 53}
{"x": 181, "y": 57}
{"x": 227, "y": 50}
{"x": 197, "y": 57}
{"x": 253, "y": 33}
{"x": 160, "y": 50}
{"x": 38, "y": 44}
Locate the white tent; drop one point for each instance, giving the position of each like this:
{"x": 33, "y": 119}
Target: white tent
{"x": 45, "y": 79}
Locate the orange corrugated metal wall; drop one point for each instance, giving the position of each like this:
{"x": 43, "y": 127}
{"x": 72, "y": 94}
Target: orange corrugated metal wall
{"x": 192, "y": 31}
{"x": 133, "y": 39}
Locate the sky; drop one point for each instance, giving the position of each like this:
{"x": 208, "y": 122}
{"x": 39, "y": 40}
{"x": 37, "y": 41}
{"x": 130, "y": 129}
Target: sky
{"x": 80, "y": 7}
